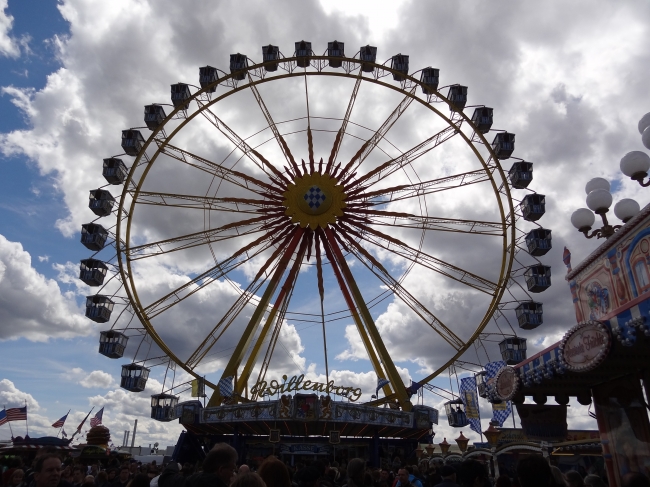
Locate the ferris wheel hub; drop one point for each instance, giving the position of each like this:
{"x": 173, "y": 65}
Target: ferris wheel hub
{"x": 314, "y": 200}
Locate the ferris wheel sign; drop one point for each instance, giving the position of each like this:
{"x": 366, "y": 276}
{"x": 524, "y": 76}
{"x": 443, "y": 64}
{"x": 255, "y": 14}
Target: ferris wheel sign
{"x": 585, "y": 346}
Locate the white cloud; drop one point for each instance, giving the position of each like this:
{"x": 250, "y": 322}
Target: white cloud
{"x": 43, "y": 258}
{"x": 94, "y": 379}
{"x": 9, "y": 46}
{"x": 32, "y": 306}
{"x": 12, "y": 397}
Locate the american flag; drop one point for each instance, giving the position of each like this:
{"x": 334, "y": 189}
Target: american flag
{"x": 61, "y": 421}
{"x": 17, "y": 414}
{"x": 97, "y": 419}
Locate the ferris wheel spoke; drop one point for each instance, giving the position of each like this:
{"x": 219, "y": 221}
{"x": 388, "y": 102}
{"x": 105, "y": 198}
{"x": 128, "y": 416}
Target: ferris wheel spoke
{"x": 276, "y": 133}
{"x": 368, "y": 146}
{"x": 354, "y": 312}
{"x": 344, "y": 125}
{"x": 274, "y": 338}
{"x": 407, "y": 220}
{"x": 204, "y": 237}
{"x": 407, "y": 298}
{"x": 389, "y": 167}
{"x": 283, "y": 295}
{"x": 247, "y": 296}
{"x": 373, "y": 332}
{"x": 255, "y": 157}
{"x": 423, "y": 259}
{"x": 214, "y": 273}
{"x": 201, "y": 202}
{"x": 236, "y": 177}
{"x": 422, "y": 188}
{"x": 248, "y": 333}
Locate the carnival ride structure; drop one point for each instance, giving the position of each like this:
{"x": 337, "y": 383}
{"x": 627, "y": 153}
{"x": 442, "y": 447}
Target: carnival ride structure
{"x": 258, "y": 203}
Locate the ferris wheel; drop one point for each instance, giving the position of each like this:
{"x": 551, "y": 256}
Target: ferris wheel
{"x": 315, "y": 190}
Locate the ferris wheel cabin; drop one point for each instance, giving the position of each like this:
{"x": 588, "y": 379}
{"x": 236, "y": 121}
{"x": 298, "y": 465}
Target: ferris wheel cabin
{"x": 134, "y": 377}
{"x": 238, "y": 63}
{"x": 457, "y": 97}
{"x": 504, "y": 145}
{"x": 430, "y": 77}
{"x": 400, "y": 63}
{"x": 529, "y": 315}
{"x": 154, "y": 115}
{"x": 114, "y": 170}
{"x": 180, "y": 94}
{"x": 538, "y": 278}
{"x": 456, "y": 413}
{"x": 513, "y": 350}
{"x": 368, "y": 54}
{"x": 132, "y": 142}
{"x": 482, "y": 118}
{"x": 92, "y": 272}
{"x": 533, "y": 207}
{"x": 101, "y": 202}
{"x": 521, "y": 174}
{"x": 207, "y": 76}
{"x": 163, "y": 407}
{"x": 99, "y": 308}
{"x": 335, "y": 49}
{"x": 538, "y": 241}
{"x": 112, "y": 343}
{"x": 93, "y": 236}
{"x": 481, "y": 383}
{"x": 303, "y": 53}
{"x": 270, "y": 53}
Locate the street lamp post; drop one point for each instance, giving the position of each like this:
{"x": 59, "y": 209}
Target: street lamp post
{"x": 444, "y": 447}
{"x": 493, "y": 434}
{"x": 636, "y": 165}
{"x": 599, "y": 199}
{"x": 462, "y": 442}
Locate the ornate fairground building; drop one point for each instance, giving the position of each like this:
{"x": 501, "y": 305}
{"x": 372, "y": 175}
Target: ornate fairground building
{"x": 306, "y": 213}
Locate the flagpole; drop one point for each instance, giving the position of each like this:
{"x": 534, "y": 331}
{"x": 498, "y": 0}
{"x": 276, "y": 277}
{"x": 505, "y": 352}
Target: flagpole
{"x": 10, "y": 428}
{"x": 26, "y": 424}
{"x": 66, "y": 418}
{"x": 82, "y": 423}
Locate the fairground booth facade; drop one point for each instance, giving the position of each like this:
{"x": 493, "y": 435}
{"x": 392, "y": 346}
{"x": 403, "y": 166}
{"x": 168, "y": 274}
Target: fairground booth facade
{"x": 603, "y": 361}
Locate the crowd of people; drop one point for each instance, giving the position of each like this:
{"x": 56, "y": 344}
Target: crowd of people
{"x": 221, "y": 469}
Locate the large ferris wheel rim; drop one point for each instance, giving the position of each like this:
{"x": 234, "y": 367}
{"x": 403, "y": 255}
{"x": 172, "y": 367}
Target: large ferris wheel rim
{"x": 507, "y": 219}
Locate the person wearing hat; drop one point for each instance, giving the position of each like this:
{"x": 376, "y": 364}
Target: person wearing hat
{"x": 448, "y": 474}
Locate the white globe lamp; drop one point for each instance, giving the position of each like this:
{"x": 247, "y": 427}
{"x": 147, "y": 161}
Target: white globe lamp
{"x": 597, "y": 183}
{"x": 583, "y": 219}
{"x": 626, "y": 209}
{"x": 635, "y": 164}
{"x": 645, "y": 138}
{"x": 644, "y": 123}
{"x": 599, "y": 200}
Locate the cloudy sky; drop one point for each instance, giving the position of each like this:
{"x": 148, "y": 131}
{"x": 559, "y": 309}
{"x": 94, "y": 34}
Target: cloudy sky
{"x": 569, "y": 79}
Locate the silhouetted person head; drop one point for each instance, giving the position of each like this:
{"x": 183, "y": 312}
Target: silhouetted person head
{"x": 534, "y": 471}
{"x": 274, "y": 473}
{"x": 248, "y": 479}
{"x": 574, "y": 479}
{"x": 222, "y": 461}
{"x": 471, "y": 473}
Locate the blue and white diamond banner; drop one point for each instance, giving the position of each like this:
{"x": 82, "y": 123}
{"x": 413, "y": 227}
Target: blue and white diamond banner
{"x": 469, "y": 396}
{"x": 493, "y": 367}
{"x": 225, "y": 386}
{"x": 501, "y": 411}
